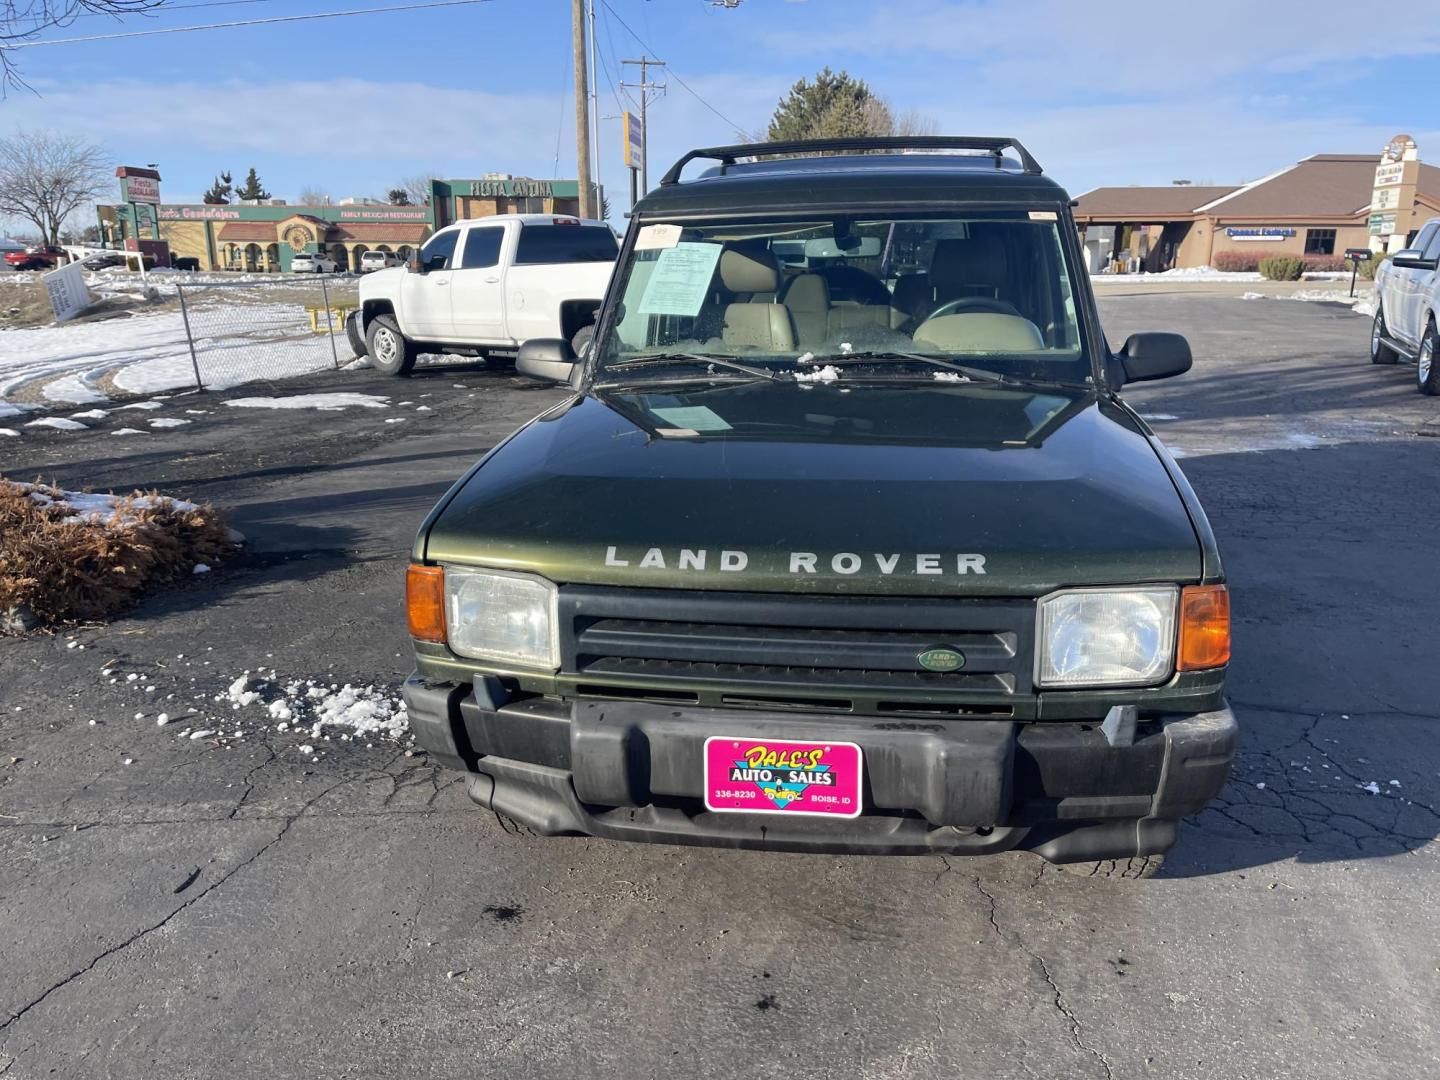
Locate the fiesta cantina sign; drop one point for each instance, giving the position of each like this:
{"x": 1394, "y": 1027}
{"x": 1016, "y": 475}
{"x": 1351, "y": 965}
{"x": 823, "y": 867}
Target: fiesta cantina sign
{"x": 534, "y": 188}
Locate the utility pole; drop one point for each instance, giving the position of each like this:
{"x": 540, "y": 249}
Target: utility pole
{"x": 645, "y": 86}
{"x": 582, "y": 109}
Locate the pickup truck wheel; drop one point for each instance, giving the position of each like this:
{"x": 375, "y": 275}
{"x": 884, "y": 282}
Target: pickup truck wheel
{"x": 1427, "y": 373}
{"x": 391, "y": 352}
{"x": 1141, "y": 866}
{"x": 1380, "y": 353}
{"x": 354, "y": 334}
{"x": 582, "y": 338}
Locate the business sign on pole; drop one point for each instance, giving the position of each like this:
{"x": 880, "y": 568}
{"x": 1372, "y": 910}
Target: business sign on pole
{"x": 1392, "y": 200}
{"x": 140, "y": 189}
{"x": 634, "y": 142}
{"x": 68, "y": 294}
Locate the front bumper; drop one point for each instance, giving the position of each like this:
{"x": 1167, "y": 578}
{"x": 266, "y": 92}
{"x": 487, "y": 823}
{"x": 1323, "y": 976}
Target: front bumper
{"x": 632, "y": 771}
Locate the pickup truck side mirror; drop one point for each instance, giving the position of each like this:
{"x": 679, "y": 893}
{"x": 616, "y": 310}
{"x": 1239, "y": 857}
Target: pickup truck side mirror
{"x": 1413, "y": 259}
{"x": 546, "y": 359}
{"x": 1154, "y": 356}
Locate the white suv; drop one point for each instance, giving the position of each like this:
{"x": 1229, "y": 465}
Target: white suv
{"x": 312, "y": 262}
{"x": 377, "y": 260}
{"x": 1407, "y": 315}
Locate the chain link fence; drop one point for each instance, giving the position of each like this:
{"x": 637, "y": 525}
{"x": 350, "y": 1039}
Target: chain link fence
{"x": 250, "y": 330}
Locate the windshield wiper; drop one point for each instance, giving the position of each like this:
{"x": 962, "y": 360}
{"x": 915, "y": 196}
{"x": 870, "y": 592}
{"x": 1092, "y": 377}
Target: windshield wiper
{"x": 714, "y": 360}
{"x": 969, "y": 371}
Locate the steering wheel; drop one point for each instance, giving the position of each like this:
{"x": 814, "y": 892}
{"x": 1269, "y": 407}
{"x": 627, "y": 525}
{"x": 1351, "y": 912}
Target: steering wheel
{"x": 967, "y": 304}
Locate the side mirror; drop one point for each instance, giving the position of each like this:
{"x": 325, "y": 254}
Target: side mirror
{"x": 1413, "y": 259}
{"x": 546, "y": 359}
{"x": 1155, "y": 356}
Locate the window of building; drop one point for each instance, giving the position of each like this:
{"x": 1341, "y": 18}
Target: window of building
{"x": 1320, "y": 242}
{"x": 482, "y": 248}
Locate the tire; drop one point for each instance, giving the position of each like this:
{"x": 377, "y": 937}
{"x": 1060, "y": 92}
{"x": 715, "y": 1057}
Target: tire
{"x": 582, "y": 338}
{"x": 390, "y": 351}
{"x": 1140, "y": 866}
{"x": 355, "y": 335}
{"x": 1427, "y": 371}
{"x": 1380, "y": 353}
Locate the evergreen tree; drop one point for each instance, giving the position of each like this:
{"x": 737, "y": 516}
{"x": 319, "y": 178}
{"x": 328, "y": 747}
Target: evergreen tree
{"x": 220, "y": 191}
{"x": 252, "y": 190}
{"x": 398, "y": 197}
{"x": 835, "y": 105}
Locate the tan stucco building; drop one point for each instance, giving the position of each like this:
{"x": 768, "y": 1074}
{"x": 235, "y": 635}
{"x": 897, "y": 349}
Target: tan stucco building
{"x": 1317, "y": 207}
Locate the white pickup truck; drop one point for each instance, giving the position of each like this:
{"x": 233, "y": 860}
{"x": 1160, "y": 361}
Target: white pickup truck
{"x": 1408, "y": 290}
{"x": 483, "y": 287}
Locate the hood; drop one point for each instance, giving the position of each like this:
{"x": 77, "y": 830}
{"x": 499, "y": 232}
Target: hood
{"x": 901, "y": 486}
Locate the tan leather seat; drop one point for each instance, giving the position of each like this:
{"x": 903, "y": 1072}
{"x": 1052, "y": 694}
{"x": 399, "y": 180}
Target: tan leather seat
{"x": 974, "y": 267}
{"x": 808, "y": 299}
{"x": 759, "y": 322}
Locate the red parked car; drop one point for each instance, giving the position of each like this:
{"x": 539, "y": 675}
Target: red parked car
{"x": 38, "y": 257}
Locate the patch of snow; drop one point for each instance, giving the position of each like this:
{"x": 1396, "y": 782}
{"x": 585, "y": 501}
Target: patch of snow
{"x": 239, "y": 692}
{"x": 152, "y": 404}
{"x": 827, "y": 374}
{"x": 77, "y": 388}
{"x": 1372, "y": 787}
{"x": 1253, "y": 296}
{"x": 9, "y": 408}
{"x": 199, "y": 568}
{"x": 11, "y": 432}
{"x": 60, "y": 423}
{"x": 129, "y": 431}
{"x": 325, "y": 402}
{"x": 201, "y": 734}
{"x": 1158, "y": 416}
{"x": 91, "y": 414}
{"x": 1189, "y": 273}
{"x": 168, "y": 422}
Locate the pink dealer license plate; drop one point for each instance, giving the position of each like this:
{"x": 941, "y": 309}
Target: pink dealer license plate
{"x": 776, "y": 776}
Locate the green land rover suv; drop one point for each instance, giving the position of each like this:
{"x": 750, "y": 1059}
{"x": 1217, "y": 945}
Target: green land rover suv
{"x": 843, "y": 539}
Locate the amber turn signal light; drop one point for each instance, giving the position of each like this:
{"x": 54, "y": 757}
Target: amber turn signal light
{"x": 425, "y": 602}
{"x": 1204, "y": 627}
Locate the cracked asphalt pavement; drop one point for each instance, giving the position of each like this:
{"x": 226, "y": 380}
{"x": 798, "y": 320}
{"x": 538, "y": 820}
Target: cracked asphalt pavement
{"x": 222, "y": 906}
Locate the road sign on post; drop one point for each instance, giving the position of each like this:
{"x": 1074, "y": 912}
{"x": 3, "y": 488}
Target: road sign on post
{"x": 634, "y": 141}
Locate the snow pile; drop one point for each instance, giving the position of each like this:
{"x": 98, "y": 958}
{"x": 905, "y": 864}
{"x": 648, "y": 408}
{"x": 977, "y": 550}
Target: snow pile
{"x": 827, "y": 374}
{"x": 309, "y": 707}
{"x": 323, "y": 402}
{"x": 168, "y": 422}
{"x": 85, "y": 506}
{"x": 9, "y": 431}
{"x": 59, "y": 423}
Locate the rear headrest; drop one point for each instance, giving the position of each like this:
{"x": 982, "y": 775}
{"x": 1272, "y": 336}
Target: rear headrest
{"x": 808, "y": 292}
{"x": 977, "y": 261}
{"x": 749, "y": 270}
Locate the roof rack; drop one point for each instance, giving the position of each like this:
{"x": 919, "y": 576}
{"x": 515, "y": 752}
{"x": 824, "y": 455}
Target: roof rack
{"x": 728, "y": 155}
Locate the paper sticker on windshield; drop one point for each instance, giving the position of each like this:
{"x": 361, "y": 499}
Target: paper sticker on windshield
{"x": 681, "y": 280}
{"x": 1042, "y": 215}
{"x": 696, "y": 418}
{"x": 656, "y": 237}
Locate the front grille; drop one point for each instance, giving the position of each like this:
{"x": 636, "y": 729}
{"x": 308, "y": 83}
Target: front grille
{"x": 796, "y": 652}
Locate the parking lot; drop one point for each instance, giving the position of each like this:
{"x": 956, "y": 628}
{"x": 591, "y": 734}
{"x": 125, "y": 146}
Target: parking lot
{"x": 221, "y": 906}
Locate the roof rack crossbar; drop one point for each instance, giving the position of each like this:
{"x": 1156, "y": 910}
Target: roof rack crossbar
{"x": 728, "y": 155}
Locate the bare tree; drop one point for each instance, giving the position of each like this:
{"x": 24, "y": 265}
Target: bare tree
{"x": 44, "y": 178}
{"x": 416, "y": 188}
{"x": 21, "y": 21}
{"x": 314, "y": 196}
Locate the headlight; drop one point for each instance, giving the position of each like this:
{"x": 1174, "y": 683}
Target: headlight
{"x": 1106, "y": 637}
{"x": 494, "y": 615}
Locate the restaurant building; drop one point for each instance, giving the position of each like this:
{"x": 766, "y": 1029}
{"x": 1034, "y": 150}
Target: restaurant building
{"x": 263, "y": 238}
{"x": 1315, "y": 208}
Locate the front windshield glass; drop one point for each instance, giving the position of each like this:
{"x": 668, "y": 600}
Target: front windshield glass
{"x": 987, "y": 291}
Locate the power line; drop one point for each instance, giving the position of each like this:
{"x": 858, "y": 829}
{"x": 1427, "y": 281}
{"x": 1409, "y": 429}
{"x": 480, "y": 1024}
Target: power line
{"x": 166, "y": 8}
{"x": 688, "y": 88}
{"x": 245, "y": 22}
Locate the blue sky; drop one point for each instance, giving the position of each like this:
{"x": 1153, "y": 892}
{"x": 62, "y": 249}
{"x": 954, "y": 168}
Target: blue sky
{"x": 1108, "y": 92}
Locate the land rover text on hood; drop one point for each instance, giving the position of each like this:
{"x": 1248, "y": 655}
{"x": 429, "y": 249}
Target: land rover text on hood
{"x": 843, "y": 539}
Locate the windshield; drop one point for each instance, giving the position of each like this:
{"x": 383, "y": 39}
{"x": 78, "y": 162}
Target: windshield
{"x": 990, "y": 291}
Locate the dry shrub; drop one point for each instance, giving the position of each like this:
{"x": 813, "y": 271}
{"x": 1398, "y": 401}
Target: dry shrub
{"x": 93, "y": 567}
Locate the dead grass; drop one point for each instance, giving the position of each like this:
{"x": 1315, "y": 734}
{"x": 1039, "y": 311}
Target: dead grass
{"x": 59, "y": 567}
